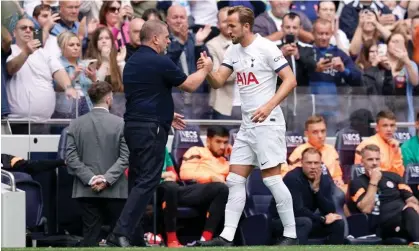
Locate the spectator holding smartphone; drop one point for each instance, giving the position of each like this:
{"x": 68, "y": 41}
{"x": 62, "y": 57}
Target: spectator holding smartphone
{"x": 82, "y": 77}
{"x": 116, "y": 18}
{"x": 32, "y": 68}
{"x": 369, "y": 28}
{"x": 110, "y": 63}
{"x": 298, "y": 54}
{"x": 333, "y": 68}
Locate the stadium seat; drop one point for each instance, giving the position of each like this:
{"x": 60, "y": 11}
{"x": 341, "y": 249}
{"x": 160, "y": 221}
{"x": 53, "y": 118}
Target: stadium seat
{"x": 412, "y": 177}
{"x": 293, "y": 140}
{"x": 347, "y": 140}
{"x": 183, "y": 140}
{"x": 402, "y": 136}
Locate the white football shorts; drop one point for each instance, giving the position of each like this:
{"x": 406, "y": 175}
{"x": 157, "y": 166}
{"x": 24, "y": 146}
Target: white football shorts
{"x": 262, "y": 146}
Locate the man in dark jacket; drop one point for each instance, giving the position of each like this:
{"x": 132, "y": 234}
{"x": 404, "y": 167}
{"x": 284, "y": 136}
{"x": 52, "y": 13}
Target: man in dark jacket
{"x": 299, "y": 55}
{"x": 311, "y": 189}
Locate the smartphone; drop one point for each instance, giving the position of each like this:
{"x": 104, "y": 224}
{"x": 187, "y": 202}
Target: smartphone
{"x": 328, "y": 57}
{"x": 119, "y": 41}
{"x": 91, "y": 63}
{"x": 289, "y": 38}
{"x": 382, "y": 50}
{"x": 37, "y": 34}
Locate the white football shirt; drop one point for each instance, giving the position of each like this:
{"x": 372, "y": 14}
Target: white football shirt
{"x": 256, "y": 67}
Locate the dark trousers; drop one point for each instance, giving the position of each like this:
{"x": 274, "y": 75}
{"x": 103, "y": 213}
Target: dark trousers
{"x": 307, "y": 228}
{"x": 146, "y": 142}
{"x": 211, "y": 197}
{"x": 95, "y": 213}
{"x": 407, "y": 224}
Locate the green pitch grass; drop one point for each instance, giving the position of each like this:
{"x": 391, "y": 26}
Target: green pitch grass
{"x": 269, "y": 248}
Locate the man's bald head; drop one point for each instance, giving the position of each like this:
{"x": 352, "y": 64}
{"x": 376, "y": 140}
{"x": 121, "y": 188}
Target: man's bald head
{"x": 176, "y": 10}
{"x": 150, "y": 29}
{"x": 135, "y": 27}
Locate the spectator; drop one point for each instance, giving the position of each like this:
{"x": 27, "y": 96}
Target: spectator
{"x": 208, "y": 167}
{"x": 14, "y": 13}
{"x": 405, "y": 75}
{"x": 410, "y": 148}
{"x": 97, "y": 156}
{"x": 184, "y": 50}
{"x": 310, "y": 191}
{"x": 302, "y": 54}
{"x": 327, "y": 10}
{"x": 225, "y": 101}
{"x": 398, "y": 8}
{"x": 116, "y": 18}
{"x": 6, "y": 42}
{"x": 140, "y": 7}
{"x": 309, "y": 8}
{"x": 152, "y": 14}
{"x": 351, "y": 12}
{"x": 110, "y": 63}
{"x": 415, "y": 36}
{"x": 333, "y": 68}
{"x": 315, "y": 131}
{"x": 391, "y": 156}
{"x": 268, "y": 24}
{"x": 82, "y": 76}
{"x": 368, "y": 28}
{"x": 30, "y": 5}
{"x": 47, "y": 20}
{"x": 69, "y": 14}
{"x": 134, "y": 36}
{"x": 32, "y": 70}
{"x": 330, "y": 72}
{"x": 384, "y": 195}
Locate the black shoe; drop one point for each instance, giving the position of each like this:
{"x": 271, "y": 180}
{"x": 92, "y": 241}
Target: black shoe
{"x": 117, "y": 241}
{"x": 216, "y": 242}
{"x": 286, "y": 241}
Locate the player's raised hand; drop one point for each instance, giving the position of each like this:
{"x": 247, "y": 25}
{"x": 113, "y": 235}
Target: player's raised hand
{"x": 262, "y": 113}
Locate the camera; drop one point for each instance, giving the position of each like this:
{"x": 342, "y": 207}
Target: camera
{"x": 328, "y": 57}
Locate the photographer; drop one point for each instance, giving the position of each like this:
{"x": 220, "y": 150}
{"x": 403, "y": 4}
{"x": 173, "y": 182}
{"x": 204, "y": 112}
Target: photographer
{"x": 299, "y": 55}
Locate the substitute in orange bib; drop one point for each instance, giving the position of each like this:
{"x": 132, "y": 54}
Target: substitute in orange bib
{"x": 315, "y": 131}
{"x": 391, "y": 156}
{"x": 208, "y": 164}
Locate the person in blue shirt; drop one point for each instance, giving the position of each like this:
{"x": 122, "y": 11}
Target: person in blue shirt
{"x": 6, "y": 42}
{"x": 148, "y": 80}
{"x": 334, "y": 68}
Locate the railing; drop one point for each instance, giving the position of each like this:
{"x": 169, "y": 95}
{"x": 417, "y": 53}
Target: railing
{"x": 11, "y": 179}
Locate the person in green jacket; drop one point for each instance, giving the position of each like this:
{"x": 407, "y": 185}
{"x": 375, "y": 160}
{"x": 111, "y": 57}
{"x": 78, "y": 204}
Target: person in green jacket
{"x": 410, "y": 148}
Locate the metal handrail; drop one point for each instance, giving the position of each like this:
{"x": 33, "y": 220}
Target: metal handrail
{"x": 67, "y": 121}
{"x": 398, "y": 124}
{"x": 11, "y": 179}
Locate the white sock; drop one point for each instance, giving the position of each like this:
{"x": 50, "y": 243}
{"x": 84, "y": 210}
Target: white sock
{"x": 283, "y": 201}
{"x": 235, "y": 204}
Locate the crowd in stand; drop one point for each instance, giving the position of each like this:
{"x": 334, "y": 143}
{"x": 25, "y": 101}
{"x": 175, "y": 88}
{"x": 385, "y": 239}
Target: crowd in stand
{"x": 52, "y": 48}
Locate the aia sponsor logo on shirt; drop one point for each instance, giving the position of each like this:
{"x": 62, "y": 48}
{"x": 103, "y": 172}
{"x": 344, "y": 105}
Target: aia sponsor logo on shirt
{"x": 188, "y": 136}
{"x": 243, "y": 78}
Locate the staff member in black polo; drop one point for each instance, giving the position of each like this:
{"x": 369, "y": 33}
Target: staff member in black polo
{"x": 148, "y": 80}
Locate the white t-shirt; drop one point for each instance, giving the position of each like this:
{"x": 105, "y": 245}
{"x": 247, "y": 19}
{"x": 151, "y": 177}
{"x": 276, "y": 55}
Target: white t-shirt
{"x": 343, "y": 38}
{"x": 30, "y": 91}
{"x": 205, "y": 12}
{"x": 256, "y": 68}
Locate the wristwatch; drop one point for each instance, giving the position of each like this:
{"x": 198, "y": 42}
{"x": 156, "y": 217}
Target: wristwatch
{"x": 323, "y": 219}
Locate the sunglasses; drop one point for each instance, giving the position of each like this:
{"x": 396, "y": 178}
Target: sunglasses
{"x": 113, "y": 9}
{"x": 25, "y": 27}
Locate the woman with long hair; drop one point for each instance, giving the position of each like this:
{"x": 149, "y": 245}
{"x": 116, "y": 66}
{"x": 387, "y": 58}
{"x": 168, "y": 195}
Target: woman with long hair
{"x": 110, "y": 63}
{"x": 82, "y": 77}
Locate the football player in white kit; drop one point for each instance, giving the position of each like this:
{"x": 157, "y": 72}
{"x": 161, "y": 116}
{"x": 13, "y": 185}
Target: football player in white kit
{"x": 256, "y": 62}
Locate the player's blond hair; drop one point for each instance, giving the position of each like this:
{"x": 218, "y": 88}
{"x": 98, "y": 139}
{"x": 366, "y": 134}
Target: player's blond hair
{"x": 246, "y": 15}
